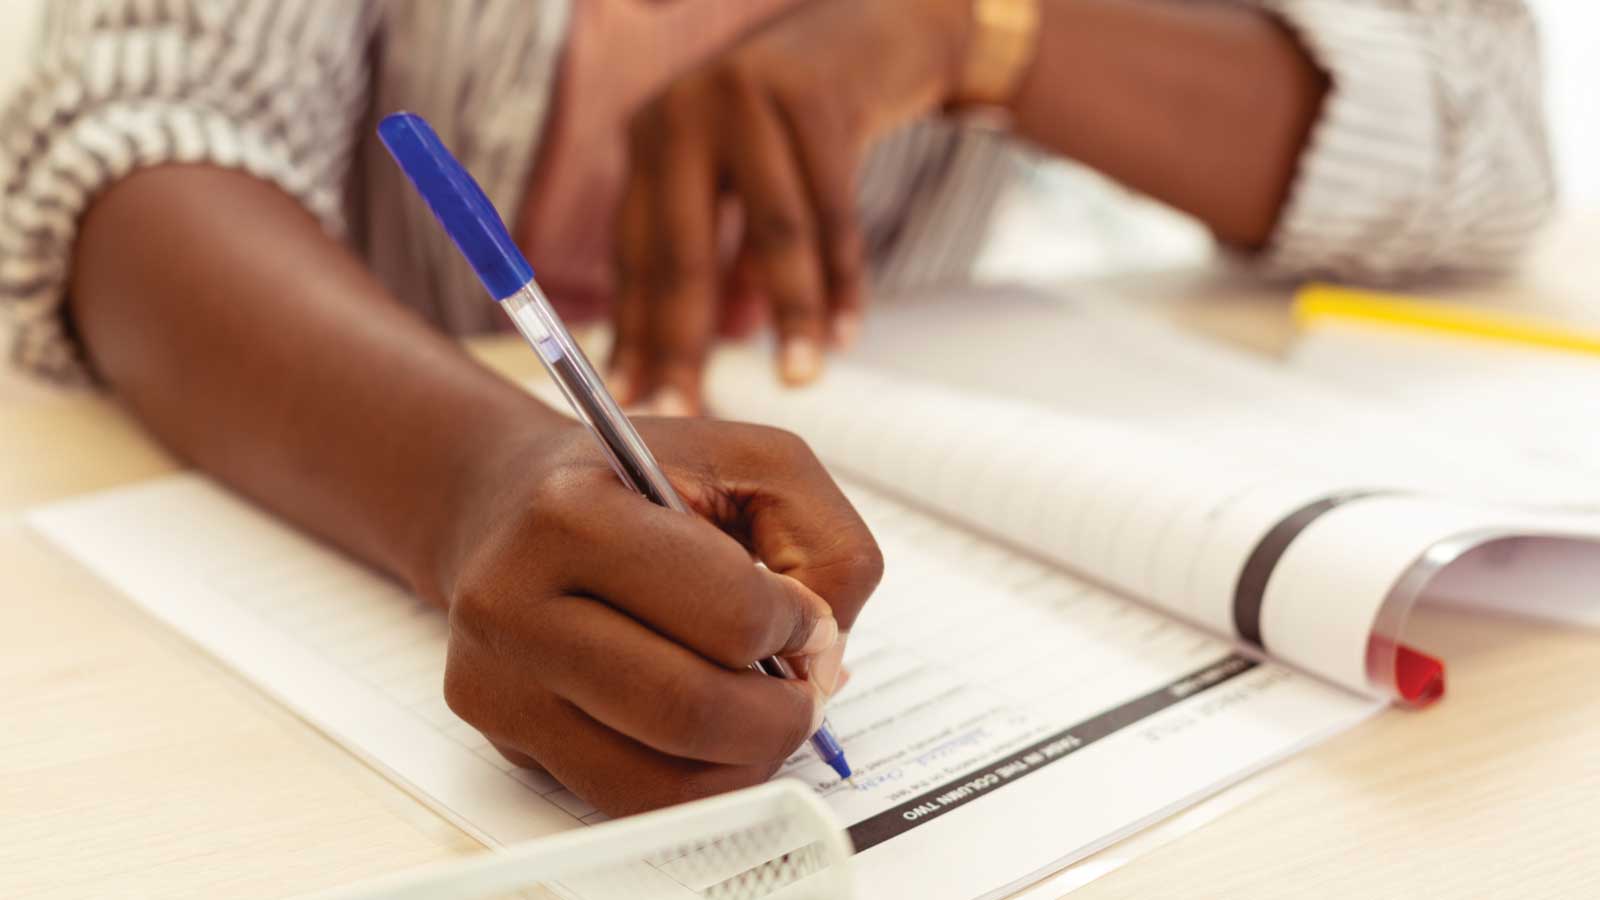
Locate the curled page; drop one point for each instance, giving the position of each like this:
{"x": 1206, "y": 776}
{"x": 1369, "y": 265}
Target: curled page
{"x": 1317, "y": 568}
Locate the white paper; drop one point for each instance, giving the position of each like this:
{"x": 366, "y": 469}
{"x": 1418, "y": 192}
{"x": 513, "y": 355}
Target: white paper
{"x": 969, "y": 652}
{"x": 1089, "y": 359}
{"x": 1541, "y": 402}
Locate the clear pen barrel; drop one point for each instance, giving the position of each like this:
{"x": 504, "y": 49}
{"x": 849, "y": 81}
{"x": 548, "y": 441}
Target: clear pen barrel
{"x": 593, "y": 404}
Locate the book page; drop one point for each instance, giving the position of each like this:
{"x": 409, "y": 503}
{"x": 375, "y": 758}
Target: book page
{"x": 1541, "y": 403}
{"x": 1004, "y": 719}
{"x": 1095, "y": 360}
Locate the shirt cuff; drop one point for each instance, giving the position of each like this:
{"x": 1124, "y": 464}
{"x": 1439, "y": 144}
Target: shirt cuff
{"x": 54, "y": 178}
{"x": 1425, "y": 157}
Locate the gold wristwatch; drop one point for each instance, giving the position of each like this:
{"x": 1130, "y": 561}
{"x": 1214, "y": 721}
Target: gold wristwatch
{"x": 1005, "y": 39}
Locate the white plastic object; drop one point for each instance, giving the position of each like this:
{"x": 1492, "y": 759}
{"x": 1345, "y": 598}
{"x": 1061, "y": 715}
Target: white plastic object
{"x": 775, "y": 840}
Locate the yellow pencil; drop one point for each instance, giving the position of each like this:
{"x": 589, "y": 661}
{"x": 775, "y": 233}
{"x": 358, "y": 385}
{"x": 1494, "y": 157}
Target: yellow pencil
{"x": 1321, "y": 303}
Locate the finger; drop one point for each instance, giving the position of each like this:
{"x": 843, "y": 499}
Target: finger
{"x": 632, "y": 680}
{"x": 795, "y": 519}
{"x": 828, "y": 159}
{"x": 780, "y": 227}
{"x": 630, "y": 315}
{"x": 617, "y": 774}
{"x": 687, "y": 580}
{"x": 621, "y": 776}
{"x": 826, "y": 668}
{"x": 822, "y": 543}
{"x": 744, "y": 307}
{"x": 682, "y": 288}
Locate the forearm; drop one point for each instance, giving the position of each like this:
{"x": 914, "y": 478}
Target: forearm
{"x": 1205, "y": 106}
{"x": 256, "y": 346}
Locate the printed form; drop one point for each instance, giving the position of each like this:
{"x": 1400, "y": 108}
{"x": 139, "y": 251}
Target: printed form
{"x": 1004, "y": 717}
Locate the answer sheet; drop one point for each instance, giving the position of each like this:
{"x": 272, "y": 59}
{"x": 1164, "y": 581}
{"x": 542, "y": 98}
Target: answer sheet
{"x": 1005, "y": 719}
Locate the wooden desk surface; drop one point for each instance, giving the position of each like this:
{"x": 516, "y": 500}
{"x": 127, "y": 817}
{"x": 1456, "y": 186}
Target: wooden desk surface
{"x": 131, "y": 764}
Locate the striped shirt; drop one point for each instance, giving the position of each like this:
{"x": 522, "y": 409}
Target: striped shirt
{"x": 1429, "y": 155}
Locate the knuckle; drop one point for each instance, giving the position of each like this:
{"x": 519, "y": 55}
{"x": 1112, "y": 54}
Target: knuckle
{"x": 774, "y": 231}
{"x": 559, "y": 504}
{"x": 682, "y": 101}
{"x": 684, "y": 269}
{"x": 791, "y": 445}
{"x": 471, "y": 618}
{"x": 829, "y": 114}
{"x": 734, "y": 80}
{"x": 863, "y": 565}
{"x": 462, "y": 692}
{"x": 782, "y": 440}
{"x": 786, "y": 450}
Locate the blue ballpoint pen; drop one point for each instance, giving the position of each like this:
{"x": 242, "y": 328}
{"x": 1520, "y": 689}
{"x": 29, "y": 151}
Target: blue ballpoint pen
{"x": 479, "y": 232}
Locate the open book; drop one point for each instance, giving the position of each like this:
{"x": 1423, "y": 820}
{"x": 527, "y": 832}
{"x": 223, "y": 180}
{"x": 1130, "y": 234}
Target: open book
{"x": 1096, "y": 610}
{"x": 1544, "y": 403}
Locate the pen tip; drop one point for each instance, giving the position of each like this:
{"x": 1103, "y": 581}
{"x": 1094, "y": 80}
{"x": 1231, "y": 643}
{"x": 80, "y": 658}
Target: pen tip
{"x": 839, "y": 765}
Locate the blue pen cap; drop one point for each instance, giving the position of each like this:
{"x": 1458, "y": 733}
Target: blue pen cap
{"x": 457, "y": 202}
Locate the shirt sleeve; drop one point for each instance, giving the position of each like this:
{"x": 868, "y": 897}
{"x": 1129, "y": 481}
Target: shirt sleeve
{"x": 929, "y": 193}
{"x": 1430, "y": 153}
{"x": 274, "y": 88}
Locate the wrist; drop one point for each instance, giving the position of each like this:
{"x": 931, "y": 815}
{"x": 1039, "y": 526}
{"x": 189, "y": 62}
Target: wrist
{"x": 476, "y": 464}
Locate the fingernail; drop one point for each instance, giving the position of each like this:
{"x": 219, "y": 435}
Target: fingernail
{"x": 800, "y": 360}
{"x": 823, "y": 636}
{"x": 672, "y": 402}
{"x": 819, "y": 709}
{"x": 844, "y": 679}
{"x": 847, "y": 329}
{"x": 825, "y": 667}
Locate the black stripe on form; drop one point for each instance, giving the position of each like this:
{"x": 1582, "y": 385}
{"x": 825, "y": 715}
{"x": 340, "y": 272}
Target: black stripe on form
{"x": 903, "y": 817}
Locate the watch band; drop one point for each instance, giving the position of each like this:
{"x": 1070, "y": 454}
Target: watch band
{"x": 1005, "y": 37}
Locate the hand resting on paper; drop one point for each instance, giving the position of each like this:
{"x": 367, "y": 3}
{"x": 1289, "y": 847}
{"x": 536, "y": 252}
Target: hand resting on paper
{"x": 780, "y": 125}
{"x": 606, "y": 639}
